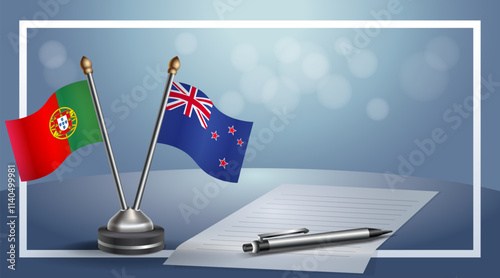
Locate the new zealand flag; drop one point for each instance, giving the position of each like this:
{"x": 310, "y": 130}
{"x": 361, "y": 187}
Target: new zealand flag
{"x": 216, "y": 142}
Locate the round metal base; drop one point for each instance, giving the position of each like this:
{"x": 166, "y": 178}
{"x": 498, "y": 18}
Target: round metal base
{"x": 131, "y": 243}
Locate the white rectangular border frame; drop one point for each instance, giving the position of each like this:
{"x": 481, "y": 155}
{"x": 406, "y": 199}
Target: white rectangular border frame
{"x": 475, "y": 25}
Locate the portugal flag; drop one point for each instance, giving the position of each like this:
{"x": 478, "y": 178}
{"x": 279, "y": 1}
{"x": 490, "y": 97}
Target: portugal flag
{"x": 43, "y": 140}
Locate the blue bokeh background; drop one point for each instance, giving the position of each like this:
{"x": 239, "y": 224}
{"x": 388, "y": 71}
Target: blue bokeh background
{"x": 355, "y": 109}
{"x": 356, "y": 106}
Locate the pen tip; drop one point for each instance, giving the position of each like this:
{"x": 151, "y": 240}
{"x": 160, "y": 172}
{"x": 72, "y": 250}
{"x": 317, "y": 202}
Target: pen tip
{"x": 386, "y": 232}
{"x": 247, "y": 247}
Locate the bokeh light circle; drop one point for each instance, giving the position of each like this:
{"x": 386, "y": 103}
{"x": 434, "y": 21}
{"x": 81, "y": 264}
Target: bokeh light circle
{"x": 186, "y": 43}
{"x": 281, "y": 92}
{"x": 334, "y": 91}
{"x": 244, "y": 57}
{"x": 363, "y": 64}
{"x": 315, "y": 65}
{"x": 287, "y": 50}
{"x": 420, "y": 81}
{"x": 52, "y": 54}
{"x": 377, "y": 109}
{"x": 253, "y": 81}
{"x": 442, "y": 53}
{"x": 231, "y": 103}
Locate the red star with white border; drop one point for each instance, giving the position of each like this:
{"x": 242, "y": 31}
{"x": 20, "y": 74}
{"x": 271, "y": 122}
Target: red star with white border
{"x": 231, "y": 129}
{"x": 240, "y": 142}
{"x": 215, "y": 135}
{"x": 223, "y": 163}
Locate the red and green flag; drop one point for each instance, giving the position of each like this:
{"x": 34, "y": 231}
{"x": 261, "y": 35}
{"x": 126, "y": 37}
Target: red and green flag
{"x": 44, "y": 139}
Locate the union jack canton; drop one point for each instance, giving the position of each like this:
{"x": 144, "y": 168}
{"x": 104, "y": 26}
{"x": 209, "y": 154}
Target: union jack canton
{"x": 188, "y": 96}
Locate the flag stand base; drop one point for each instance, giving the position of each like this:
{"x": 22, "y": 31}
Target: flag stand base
{"x": 130, "y": 232}
{"x": 131, "y": 243}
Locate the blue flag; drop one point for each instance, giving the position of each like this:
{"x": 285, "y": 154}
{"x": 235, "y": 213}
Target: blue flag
{"x": 216, "y": 142}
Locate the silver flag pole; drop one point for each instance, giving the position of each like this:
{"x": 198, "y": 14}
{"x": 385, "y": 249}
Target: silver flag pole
{"x": 86, "y": 66}
{"x": 173, "y": 66}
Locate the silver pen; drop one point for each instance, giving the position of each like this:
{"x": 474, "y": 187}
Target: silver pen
{"x": 266, "y": 244}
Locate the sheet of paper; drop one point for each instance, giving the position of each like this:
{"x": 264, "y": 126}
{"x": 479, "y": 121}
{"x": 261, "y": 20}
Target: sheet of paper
{"x": 318, "y": 208}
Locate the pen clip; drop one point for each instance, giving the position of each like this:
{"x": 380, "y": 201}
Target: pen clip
{"x": 282, "y": 233}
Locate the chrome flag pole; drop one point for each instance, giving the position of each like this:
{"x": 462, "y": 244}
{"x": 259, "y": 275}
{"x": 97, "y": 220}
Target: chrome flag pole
{"x": 86, "y": 66}
{"x": 173, "y": 67}
{"x": 130, "y": 231}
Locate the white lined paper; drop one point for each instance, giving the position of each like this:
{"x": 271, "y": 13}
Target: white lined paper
{"x": 318, "y": 208}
